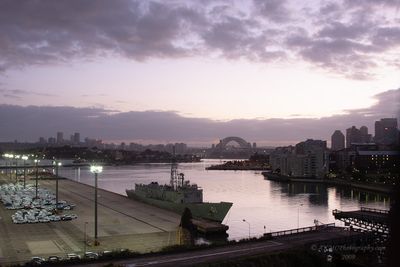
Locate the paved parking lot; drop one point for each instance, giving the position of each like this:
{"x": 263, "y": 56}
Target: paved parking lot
{"x": 122, "y": 223}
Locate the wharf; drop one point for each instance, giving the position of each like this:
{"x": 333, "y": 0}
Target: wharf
{"x": 366, "y": 218}
{"x": 385, "y": 189}
{"x": 122, "y": 223}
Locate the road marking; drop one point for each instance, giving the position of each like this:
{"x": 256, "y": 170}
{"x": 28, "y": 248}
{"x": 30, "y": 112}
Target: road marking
{"x": 65, "y": 238}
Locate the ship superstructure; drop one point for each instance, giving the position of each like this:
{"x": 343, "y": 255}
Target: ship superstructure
{"x": 178, "y": 195}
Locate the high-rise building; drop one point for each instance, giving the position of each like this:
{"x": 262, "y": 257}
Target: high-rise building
{"x": 337, "y": 140}
{"x": 386, "y": 131}
{"x": 60, "y": 137}
{"x": 51, "y": 140}
{"x": 365, "y": 137}
{"x": 77, "y": 138}
{"x": 353, "y": 135}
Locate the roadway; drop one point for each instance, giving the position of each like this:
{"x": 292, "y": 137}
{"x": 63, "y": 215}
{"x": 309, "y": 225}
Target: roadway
{"x": 236, "y": 251}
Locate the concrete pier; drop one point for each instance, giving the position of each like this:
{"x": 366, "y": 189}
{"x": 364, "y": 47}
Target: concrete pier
{"x": 122, "y": 223}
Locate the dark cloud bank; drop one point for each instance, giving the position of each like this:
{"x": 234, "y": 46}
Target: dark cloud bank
{"x": 348, "y": 37}
{"x": 28, "y": 123}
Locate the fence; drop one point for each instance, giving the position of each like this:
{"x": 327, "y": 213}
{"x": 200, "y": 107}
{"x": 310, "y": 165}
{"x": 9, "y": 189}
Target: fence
{"x": 374, "y": 210}
{"x": 299, "y": 230}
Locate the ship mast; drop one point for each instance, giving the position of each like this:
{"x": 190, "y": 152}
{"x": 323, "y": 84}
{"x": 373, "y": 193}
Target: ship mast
{"x": 174, "y": 172}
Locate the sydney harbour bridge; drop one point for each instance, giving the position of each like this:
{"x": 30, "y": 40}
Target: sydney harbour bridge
{"x": 232, "y": 147}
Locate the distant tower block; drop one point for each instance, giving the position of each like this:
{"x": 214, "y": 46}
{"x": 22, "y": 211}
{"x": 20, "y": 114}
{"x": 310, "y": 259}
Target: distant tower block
{"x": 353, "y": 135}
{"x": 254, "y": 145}
{"x": 337, "y": 140}
{"x": 60, "y": 137}
{"x": 386, "y": 131}
{"x": 77, "y": 138}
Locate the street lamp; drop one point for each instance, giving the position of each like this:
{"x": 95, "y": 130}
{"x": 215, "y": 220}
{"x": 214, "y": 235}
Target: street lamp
{"x": 249, "y": 226}
{"x": 10, "y": 156}
{"x": 298, "y": 215}
{"x": 24, "y": 158}
{"x": 36, "y": 182}
{"x": 16, "y": 167}
{"x": 5, "y": 156}
{"x": 84, "y": 238}
{"x": 57, "y": 164}
{"x": 96, "y": 169}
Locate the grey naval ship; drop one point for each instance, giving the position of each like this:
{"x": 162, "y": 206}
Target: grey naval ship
{"x": 178, "y": 195}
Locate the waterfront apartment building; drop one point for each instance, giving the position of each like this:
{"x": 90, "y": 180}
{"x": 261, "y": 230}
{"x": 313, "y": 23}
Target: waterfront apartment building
{"x": 306, "y": 159}
{"x": 386, "y": 132}
{"x": 337, "y": 140}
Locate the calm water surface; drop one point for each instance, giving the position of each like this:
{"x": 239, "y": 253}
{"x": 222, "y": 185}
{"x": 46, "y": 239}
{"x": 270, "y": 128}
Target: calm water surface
{"x": 265, "y": 205}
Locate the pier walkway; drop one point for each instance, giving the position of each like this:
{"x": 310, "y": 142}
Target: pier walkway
{"x": 366, "y": 218}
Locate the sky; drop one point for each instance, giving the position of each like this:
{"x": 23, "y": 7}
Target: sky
{"x": 273, "y": 71}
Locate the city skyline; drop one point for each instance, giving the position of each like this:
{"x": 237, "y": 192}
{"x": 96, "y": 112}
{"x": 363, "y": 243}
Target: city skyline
{"x": 166, "y": 127}
{"x": 218, "y": 60}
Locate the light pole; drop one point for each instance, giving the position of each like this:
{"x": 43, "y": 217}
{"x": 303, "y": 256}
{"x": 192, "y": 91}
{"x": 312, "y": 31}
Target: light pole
{"x": 96, "y": 169}
{"x": 24, "y": 158}
{"x": 298, "y": 215}
{"x": 5, "y": 156}
{"x": 10, "y": 156}
{"x": 16, "y": 167}
{"x": 249, "y": 226}
{"x": 36, "y": 182}
{"x": 84, "y": 238}
{"x": 57, "y": 164}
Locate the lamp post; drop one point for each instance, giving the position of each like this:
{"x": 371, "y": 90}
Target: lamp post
{"x": 10, "y": 156}
{"x": 5, "y": 156}
{"x": 57, "y": 164}
{"x": 36, "y": 180}
{"x": 249, "y": 226}
{"x": 298, "y": 215}
{"x": 96, "y": 169}
{"x": 84, "y": 238}
{"x": 24, "y": 158}
{"x": 16, "y": 167}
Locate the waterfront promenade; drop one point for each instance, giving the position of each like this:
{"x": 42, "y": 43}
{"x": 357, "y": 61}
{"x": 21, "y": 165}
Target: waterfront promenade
{"x": 122, "y": 223}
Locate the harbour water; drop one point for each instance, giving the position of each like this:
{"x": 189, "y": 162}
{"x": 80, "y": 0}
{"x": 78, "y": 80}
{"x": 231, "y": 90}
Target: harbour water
{"x": 264, "y": 205}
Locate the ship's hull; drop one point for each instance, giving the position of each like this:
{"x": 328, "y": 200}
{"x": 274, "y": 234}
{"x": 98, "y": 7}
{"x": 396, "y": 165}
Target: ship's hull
{"x": 210, "y": 211}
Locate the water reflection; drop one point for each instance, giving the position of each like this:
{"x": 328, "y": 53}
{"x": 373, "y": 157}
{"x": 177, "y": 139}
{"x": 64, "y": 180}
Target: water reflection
{"x": 361, "y": 196}
{"x": 265, "y": 205}
{"x": 317, "y": 194}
